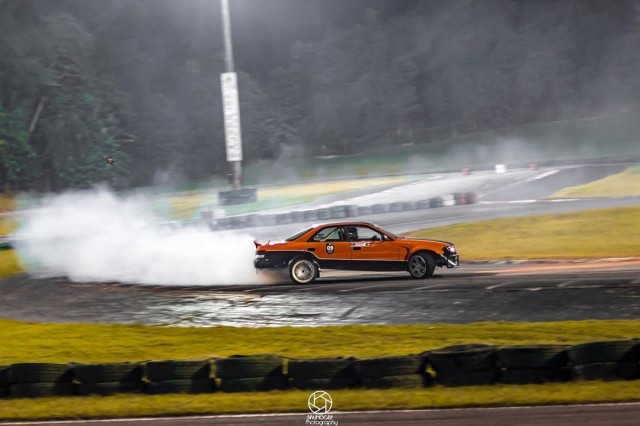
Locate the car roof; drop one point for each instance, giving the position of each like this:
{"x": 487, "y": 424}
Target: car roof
{"x": 344, "y": 224}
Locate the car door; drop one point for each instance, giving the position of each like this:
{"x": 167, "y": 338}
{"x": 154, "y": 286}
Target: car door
{"x": 330, "y": 248}
{"x": 369, "y": 248}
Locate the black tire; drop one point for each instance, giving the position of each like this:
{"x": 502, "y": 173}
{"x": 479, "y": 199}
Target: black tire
{"x": 470, "y": 378}
{"x": 622, "y": 351}
{"x": 32, "y": 390}
{"x": 160, "y": 371}
{"x": 401, "y": 381}
{"x": 303, "y": 270}
{"x": 108, "y": 373}
{"x": 328, "y": 383}
{"x": 37, "y": 372}
{"x": 539, "y": 356}
{"x": 253, "y": 384}
{"x": 606, "y": 371}
{"x": 390, "y": 366}
{"x": 538, "y": 375}
{"x": 4, "y": 391}
{"x": 180, "y": 386}
{"x": 109, "y": 388}
{"x": 462, "y": 359}
{"x": 321, "y": 368}
{"x": 239, "y": 366}
{"x": 421, "y": 265}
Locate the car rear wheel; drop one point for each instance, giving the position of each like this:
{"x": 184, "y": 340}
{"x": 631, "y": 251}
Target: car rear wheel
{"x": 303, "y": 271}
{"x": 421, "y": 265}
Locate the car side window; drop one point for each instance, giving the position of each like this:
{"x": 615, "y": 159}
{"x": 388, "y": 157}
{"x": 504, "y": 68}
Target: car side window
{"x": 363, "y": 233}
{"x": 331, "y": 233}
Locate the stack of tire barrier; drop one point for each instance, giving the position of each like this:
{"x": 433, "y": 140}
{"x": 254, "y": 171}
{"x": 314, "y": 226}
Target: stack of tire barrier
{"x": 609, "y": 360}
{"x": 322, "y": 373}
{"x": 240, "y": 373}
{"x": 458, "y": 365}
{"x": 463, "y": 365}
{"x": 181, "y": 376}
{"x": 4, "y": 383}
{"x": 108, "y": 379}
{"x": 30, "y": 380}
{"x": 393, "y": 372}
{"x": 533, "y": 364}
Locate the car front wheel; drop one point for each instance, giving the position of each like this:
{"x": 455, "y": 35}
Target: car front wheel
{"x": 303, "y": 271}
{"x": 421, "y": 265}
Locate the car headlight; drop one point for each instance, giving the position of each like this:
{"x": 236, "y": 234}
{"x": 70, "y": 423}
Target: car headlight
{"x": 451, "y": 248}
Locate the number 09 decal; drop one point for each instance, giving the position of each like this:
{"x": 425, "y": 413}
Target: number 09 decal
{"x": 330, "y": 248}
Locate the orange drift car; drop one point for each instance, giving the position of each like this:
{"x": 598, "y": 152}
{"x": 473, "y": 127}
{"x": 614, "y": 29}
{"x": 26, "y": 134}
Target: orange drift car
{"x": 358, "y": 246}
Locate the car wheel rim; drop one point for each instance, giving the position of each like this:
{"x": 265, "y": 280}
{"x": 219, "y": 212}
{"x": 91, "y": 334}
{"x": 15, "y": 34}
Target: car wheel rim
{"x": 418, "y": 266}
{"x": 303, "y": 271}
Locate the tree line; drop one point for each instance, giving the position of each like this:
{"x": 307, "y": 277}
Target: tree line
{"x": 128, "y": 91}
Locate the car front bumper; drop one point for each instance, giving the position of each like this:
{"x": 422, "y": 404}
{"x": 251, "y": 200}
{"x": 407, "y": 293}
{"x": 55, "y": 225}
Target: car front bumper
{"x": 449, "y": 260}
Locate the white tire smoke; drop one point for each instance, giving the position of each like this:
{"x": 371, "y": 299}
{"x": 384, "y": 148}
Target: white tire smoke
{"x": 96, "y": 236}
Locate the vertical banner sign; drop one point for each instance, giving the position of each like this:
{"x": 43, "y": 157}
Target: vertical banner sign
{"x": 231, "y": 108}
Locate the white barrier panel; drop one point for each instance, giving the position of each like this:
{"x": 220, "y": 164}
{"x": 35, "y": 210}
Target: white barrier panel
{"x": 448, "y": 200}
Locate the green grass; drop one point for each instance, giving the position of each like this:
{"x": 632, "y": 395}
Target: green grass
{"x": 9, "y": 264}
{"x": 7, "y": 225}
{"x": 624, "y": 184}
{"x": 599, "y": 233}
{"x": 296, "y": 401}
{"x": 7, "y": 203}
{"x": 29, "y": 342}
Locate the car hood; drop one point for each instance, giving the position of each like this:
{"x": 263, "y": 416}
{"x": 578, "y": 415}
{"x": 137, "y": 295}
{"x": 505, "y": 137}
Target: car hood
{"x": 417, "y": 240}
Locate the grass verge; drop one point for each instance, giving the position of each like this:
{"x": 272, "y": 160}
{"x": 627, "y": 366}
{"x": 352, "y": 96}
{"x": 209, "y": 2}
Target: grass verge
{"x": 613, "y": 232}
{"x": 624, "y": 184}
{"x": 9, "y": 264}
{"x": 296, "y": 401}
{"x": 29, "y": 342}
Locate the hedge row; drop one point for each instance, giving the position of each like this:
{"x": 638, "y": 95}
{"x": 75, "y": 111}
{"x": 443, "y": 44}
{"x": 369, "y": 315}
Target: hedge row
{"x": 338, "y": 212}
{"x": 458, "y": 365}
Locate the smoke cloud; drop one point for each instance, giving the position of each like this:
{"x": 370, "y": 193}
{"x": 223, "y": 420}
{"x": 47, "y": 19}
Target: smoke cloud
{"x": 97, "y": 236}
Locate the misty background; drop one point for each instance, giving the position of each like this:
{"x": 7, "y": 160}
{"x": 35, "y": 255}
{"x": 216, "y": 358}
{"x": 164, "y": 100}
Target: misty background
{"x": 138, "y": 81}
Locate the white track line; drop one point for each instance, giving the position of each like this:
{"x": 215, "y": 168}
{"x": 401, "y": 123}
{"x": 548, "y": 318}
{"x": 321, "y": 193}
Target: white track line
{"x": 500, "y": 285}
{"x": 566, "y": 283}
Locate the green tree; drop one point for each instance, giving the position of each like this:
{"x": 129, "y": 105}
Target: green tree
{"x": 17, "y": 157}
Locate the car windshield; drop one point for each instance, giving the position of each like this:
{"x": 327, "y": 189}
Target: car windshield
{"x": 298, "y": 234}
{"x": 390, "y": 234}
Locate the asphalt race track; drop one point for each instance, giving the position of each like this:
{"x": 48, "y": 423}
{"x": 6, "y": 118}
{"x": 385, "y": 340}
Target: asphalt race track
{"x": 487, "y": 292}
{"x": 586, "y": 414}
{"x": 515, "y": 193}
{"x": 474, "y": 292}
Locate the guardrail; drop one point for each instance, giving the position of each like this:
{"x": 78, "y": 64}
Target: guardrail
{"x": 341, "y": 211}
{"x": 459, "y": 365}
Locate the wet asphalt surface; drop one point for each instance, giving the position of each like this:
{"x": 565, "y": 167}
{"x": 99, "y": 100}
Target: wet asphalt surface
{"x": 489, "y": 292}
